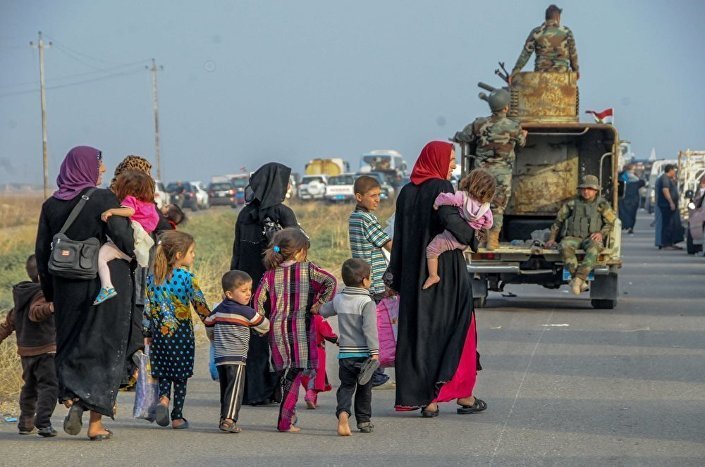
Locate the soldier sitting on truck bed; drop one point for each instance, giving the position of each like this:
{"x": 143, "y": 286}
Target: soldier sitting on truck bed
{"x": 583, "y": 222}
{"x": 554, "y": 46}
{"x": 494, "y": 138}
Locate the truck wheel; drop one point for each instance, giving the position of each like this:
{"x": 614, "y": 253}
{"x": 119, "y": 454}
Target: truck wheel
{"x": 479, "y": 302}
{"x": 603, "y": 304}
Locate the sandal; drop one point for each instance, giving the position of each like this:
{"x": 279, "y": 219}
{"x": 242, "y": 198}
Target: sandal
{"x": 229, "y": 426}
{"x": 478, "y": 406}
{"x": 425, "y": 413}
{"x": 161, "y": 415}
{"x": 73, "y": 421}
{"x": 367, "y": 370}
{"x": 183, "y": 426}
{"x": 104, "y": 294}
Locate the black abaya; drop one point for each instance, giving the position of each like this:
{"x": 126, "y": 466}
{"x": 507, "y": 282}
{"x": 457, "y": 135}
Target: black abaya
{"x": 629, "y": 204}
{"x": 433, "y": 323}
{"x": 91, "y": 340}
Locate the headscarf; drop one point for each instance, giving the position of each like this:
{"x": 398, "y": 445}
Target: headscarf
{"x": 79, "y": 170}
{"x": 269, "y": 184}
{"x": 433, "y": 162}
{"x": 131, "y": 163}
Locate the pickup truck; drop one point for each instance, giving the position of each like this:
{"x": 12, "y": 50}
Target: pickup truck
{"x": 558, "y": 152}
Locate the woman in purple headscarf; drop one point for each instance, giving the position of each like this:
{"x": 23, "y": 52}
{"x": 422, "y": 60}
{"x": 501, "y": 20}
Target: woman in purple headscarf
{"x": 91, "y": 340}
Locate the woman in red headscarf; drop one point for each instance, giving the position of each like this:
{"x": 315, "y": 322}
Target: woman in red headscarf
{"x": 436, "y": 357}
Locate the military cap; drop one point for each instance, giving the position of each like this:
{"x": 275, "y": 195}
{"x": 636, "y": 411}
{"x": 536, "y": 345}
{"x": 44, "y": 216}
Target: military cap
{"x": 499, "y": 99}
{"x": 590, "y": 181}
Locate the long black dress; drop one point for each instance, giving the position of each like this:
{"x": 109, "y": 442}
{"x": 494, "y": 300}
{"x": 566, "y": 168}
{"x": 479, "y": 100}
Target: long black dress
{"x": 433, "y": 323}
{"x": 91, "y": 341}
{"x": 629, "y": 203}
{"x": 261, "y": 384}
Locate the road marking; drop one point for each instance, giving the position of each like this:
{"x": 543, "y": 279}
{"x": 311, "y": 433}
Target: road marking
{"x": 521, "y": 384}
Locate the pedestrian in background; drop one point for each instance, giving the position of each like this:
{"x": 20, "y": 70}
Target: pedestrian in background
{"x": 32, "y": 318}
{"x": 667, "y": 202}
{"x": 629, "y": 201}
{"x": 265, "y": 207}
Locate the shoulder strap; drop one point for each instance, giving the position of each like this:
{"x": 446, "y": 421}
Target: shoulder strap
{"x": 77, "y": 210}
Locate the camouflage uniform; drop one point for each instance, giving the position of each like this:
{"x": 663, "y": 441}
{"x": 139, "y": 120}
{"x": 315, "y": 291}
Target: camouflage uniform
{"x": 495, "y": 138}
{"x": 576, "y": 221}
{"x": 554, "y": 46}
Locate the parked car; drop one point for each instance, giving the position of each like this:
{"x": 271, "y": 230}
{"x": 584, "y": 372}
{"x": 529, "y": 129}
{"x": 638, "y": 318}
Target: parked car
{"x": 161, "y": 197}
{"x": 387, "y": 191}
{"x": 291, "y": 190}
{"x": 240, "y": 182}
{"x": 340, "y": 188}
{"x": 312, "y": 187}
{"x": 201, "y": 195}
{"x": 183, "y": 194}
{"x": 222, "y": 193}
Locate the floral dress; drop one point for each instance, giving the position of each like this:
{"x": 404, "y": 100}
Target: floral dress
{"x": 168, "y": 319}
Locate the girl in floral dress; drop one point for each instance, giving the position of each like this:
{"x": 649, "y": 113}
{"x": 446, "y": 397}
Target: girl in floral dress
{"x": 290, "y": 288}
{"x": 171, "y": 291}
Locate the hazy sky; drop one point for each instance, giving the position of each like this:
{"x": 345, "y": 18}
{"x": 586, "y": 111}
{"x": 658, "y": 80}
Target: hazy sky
{"x": 246, "y": 82}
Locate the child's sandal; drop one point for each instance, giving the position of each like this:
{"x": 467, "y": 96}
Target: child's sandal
{"x": 229, "y": 427}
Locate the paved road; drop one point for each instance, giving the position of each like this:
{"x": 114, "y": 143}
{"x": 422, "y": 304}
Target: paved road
{"x": 565, "y": 384}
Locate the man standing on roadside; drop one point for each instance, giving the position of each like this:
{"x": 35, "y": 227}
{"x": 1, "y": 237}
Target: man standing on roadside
{"x": 667, "y": 202}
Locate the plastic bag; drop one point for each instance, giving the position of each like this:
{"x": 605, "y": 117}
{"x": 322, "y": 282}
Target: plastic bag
{"x": 387, "y": 328}
{"x": 146, "y": 390}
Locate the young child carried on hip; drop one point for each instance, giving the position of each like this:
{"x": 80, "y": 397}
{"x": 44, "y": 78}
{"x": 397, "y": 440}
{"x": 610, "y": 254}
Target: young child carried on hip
{"x": 135, "y": 191}
{"x": 475, "y": 191}
{"x": 228, "y": 327}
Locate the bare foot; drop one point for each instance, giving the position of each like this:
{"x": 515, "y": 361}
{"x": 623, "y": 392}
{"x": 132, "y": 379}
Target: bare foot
{"x": 294, "y": 429}
{"x": 310, "y": 405}
{"x": 432, "y": 280}
{"x": 343, "y": 426}
{"x": 467, "y": 401}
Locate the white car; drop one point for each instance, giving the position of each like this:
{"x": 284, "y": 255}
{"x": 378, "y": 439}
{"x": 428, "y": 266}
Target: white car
{"x": 312, "y": 187}
{"x": 340, "y": 188}
{"x": 202, "y": 200}
{"x": 161, "y": 197}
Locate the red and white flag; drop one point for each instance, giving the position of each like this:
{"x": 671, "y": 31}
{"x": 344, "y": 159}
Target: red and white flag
{"x": 606, "y": 116}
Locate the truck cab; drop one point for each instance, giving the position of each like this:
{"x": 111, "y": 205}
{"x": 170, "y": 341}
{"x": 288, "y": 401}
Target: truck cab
{"x": 559, "y": 151}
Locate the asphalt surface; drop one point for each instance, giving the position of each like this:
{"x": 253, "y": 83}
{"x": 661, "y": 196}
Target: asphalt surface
{"x": 565, "y": 385}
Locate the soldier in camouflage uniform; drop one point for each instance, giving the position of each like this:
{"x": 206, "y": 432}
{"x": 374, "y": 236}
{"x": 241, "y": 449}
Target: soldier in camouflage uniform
{"x": 583, "y": 222}
{"x": 494, "y": 138}
{"x": 554, "y": 46}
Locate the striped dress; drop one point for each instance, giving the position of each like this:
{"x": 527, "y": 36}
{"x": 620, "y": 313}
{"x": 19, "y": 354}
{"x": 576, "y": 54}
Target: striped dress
{"x": 286, "y": 294}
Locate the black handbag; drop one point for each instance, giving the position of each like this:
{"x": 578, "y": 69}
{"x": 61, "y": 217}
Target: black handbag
{"x": 72, "y": 259}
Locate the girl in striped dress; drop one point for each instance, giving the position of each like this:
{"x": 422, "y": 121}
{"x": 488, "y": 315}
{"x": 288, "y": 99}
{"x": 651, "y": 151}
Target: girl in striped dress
{"x": 290, "y": 288}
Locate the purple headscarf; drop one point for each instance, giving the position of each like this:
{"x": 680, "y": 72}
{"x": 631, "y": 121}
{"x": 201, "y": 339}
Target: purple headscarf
{"x": 79, "y": 170}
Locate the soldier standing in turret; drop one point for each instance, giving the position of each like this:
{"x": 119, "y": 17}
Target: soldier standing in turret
{"x": 494, "y": 138}
{"x": 554, "y": 46}
{"x": 583, "y": 222}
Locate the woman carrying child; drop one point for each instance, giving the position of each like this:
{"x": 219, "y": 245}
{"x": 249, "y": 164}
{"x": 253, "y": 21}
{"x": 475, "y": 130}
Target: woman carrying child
{"x": 472, "y": 199}
{"x": 290, "y": 288}
{"x": 171, "y": 290}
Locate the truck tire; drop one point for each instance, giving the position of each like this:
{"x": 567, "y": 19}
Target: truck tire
{"x": 479, "y": 302}
{"x": 603, "y": 304}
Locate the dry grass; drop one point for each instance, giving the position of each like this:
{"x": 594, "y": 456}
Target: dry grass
{"x": 214, "y": 230}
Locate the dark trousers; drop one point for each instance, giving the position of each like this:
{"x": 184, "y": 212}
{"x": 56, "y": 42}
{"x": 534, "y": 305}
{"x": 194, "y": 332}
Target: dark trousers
{"x": 232, "y": 388}
{"x": 667, "y": 225}
{"x": 39, "y": 392}
{"x": 349, "y": 371}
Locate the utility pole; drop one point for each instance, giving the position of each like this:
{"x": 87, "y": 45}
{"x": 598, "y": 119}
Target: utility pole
{"x": 42, "y": 94}
{"x": 155, "y": 106}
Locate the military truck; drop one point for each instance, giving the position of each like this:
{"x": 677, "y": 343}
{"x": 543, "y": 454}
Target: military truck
{"x": 559, "y": 151}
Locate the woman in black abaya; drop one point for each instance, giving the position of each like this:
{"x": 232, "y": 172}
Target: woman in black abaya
{"x": 269, "y": 185}
{"x": 436, "y": 356}
{"x": 91, "y": 341}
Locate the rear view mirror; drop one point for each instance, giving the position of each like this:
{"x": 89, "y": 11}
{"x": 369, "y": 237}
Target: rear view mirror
{"x": 689, "y": 194}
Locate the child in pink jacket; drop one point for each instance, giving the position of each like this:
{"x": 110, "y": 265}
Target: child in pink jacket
{"x": 472, "y": 199}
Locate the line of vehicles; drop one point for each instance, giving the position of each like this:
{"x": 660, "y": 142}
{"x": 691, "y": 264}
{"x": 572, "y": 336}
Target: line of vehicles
{"x": 325, "y": 179}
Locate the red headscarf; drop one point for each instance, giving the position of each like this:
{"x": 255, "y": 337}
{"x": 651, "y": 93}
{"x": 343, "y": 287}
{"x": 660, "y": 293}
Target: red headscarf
{"x": 433, "y": 162}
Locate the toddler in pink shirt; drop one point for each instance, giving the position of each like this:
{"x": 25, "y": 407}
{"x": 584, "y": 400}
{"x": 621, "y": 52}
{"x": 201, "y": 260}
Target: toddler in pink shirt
{"x": 475, "y": 191}
{"x": 135, "y": 190}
